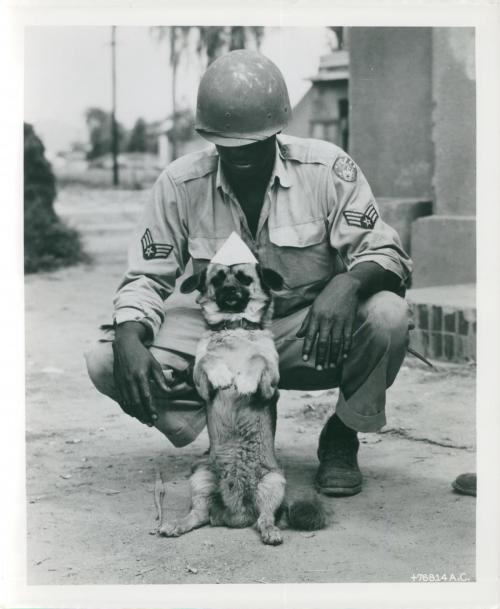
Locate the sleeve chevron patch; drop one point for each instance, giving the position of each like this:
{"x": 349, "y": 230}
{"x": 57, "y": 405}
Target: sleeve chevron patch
{"x": 152, "y": 250}
{"x": 365, "y": 219}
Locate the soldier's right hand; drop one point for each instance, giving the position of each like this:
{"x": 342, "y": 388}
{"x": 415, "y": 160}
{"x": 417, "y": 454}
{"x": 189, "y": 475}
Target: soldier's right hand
{"x": 134, "y": 368}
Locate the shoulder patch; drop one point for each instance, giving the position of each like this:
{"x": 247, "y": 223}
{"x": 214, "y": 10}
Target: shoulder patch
{"x": 368, "y": 219}
{"x": 152, "y": 250}
{"x": 346, "y": 169}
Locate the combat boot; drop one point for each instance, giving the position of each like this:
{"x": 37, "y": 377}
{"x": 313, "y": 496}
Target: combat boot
{"x": 338, "y": 472}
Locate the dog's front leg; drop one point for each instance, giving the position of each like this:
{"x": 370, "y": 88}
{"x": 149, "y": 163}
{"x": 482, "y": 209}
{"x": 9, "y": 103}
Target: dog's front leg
{"x": 262, "y": 374}
{"x": 210, "y": 373}
{"x": 269, "y": 380}
{"x": 202, "y": 486}
{"x": 201, "y": 382}
{"x": 247, "y": 381}
{"x": 270, "y": 496}
{"x": 270, "y": 377}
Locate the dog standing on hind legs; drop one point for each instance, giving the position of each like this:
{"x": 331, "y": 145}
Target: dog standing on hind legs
{"x": 236, "y": 372}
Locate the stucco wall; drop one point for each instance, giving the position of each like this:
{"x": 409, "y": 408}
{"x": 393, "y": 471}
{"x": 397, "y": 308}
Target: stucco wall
{"x": 320, "y": 103}
{"x": 454, "y": 118}
{"x": 301, "y": 115}
{"x": 391, "y": 109}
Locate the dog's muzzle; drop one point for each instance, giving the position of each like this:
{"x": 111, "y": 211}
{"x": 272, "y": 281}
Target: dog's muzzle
{"x": 232, "y": 299}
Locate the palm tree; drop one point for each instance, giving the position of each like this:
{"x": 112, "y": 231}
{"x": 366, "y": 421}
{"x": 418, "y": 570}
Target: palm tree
{"x": 212, "y": 42}
{"x": 177, "y": 38}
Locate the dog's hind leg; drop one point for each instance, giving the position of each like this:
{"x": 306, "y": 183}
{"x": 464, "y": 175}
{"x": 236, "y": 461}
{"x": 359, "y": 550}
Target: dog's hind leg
{"x": 202, "y": 486}
{"x": 269, "y": 497}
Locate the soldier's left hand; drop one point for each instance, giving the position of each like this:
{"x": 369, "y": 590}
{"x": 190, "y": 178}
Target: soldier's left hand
{"x": 329, "y": 323}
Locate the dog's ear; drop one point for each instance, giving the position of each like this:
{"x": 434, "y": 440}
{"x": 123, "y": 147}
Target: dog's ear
{"x": 271, "y": 279}
{"x": 195, "y": 282}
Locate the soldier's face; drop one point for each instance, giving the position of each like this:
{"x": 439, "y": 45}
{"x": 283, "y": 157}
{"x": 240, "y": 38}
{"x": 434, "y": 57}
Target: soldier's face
{"x": 248, "y": 161}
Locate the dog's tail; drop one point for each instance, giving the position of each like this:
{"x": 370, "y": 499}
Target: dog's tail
{"x": 306, "y": 514}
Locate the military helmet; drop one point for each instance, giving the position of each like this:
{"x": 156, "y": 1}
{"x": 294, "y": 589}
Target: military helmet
{"x": 242, "y": 98}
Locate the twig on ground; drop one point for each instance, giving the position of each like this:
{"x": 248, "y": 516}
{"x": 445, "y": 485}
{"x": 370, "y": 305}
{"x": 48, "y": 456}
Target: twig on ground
{"x": 421, "y": 358}
{"x": 159, "y": 496}
{"x": 144, "y": 571}
{"x": 106, "y": 491}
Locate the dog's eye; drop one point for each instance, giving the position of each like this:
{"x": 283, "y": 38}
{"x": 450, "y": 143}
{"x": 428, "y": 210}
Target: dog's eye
{"x": 242, "y": 278}
{"x": 218, "y": 279}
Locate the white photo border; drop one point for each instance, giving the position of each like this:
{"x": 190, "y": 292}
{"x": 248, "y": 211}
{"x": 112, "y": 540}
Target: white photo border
{"x": 485, "y": 17}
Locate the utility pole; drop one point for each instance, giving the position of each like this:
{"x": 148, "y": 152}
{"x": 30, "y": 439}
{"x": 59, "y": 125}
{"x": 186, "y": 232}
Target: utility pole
{"x": 174, "y": 60}
{"x": 114, "y": 129}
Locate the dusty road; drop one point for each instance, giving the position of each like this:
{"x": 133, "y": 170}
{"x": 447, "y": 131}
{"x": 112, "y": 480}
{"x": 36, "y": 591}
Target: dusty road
{"x": 91, "y": 471}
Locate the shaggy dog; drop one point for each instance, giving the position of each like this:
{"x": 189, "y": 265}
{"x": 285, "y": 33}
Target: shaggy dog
{"x": 236, "y": 372}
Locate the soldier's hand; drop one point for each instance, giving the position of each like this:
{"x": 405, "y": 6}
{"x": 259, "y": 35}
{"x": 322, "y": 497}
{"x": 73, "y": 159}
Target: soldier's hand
{"x": 329, "y": 324}
{"x": 134, "y": 369}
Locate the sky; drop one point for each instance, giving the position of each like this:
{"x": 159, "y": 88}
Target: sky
{"x": 68, "y": 69}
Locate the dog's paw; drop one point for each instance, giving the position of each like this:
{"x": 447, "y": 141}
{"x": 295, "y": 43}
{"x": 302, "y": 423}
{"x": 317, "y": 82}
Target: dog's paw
{"x": 246, "y": 384}
{"x": 271, "y": 535}
{"x": 269, "y": 381}
{"x": 220, "y": 377}
{"x": 171, "y": 529}
{"x": 267, "y": 389}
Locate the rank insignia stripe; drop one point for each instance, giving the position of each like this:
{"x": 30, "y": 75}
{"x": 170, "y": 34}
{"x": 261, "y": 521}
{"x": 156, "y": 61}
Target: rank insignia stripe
{"x": 152, "y": 250}
{"x": 345, "y": 168}
{"x": 365, "y": 219}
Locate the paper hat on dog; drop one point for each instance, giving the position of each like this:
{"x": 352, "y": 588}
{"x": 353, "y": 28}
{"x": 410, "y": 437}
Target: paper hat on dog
{"x": 234, "y": 251}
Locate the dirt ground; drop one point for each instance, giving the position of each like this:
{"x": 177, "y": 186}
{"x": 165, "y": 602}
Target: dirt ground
{"x": 91, "y": 469}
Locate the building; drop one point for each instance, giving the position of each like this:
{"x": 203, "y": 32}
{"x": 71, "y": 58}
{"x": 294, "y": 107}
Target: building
{"x": 187, "y": 140}
{"x": 402, "y": 102}
{"x": 323, "y": 112}
{"x": 412, "y": 130}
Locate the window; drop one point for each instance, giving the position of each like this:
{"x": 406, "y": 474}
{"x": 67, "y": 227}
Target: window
{"x": 325, "y": 130}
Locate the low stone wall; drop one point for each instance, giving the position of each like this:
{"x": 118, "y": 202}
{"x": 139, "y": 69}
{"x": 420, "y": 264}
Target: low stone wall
{"x": 443, "y": 250}
{"x": 445, "y": 322}
{"x": 401, "y": 213}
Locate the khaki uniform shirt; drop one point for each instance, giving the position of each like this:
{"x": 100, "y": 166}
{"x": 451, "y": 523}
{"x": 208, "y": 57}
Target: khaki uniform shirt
{"x": 319, "y": 218}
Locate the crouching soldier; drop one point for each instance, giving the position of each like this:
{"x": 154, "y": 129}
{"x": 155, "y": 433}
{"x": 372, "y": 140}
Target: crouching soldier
{"x": 304, "y": 209}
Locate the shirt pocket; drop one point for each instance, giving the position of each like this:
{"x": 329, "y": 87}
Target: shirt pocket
{"x": 301, "y": 253}
{"x": 202, "y": 249}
